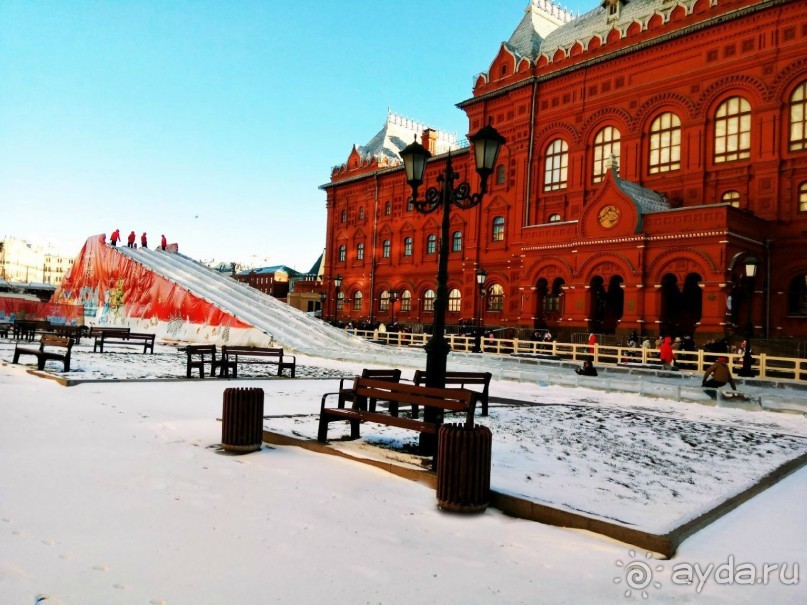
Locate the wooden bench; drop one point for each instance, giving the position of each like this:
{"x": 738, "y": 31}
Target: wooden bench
{"x": 4, "y": 327}
{"x": 74, "y": 332}
{"x": 397, "y": 394}
{"x": 42, "y": 355}
{"x": 121, "y": 336}
{"x": 26, "y": 329}
{"x": 348, "y": 394}
{"x": 206, "y": 354}
{"x": 232, "y": 356}
{"x": 462, "y": 379}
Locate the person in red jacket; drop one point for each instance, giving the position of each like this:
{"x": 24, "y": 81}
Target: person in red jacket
{"x": 592, "y": 340}
{"x": 143, "y": 241}
{"x": 115, "y": 238}
{"x": 131, "y": 240}
{"x": 666, "y": 354}
{"x": 163, "y": 242}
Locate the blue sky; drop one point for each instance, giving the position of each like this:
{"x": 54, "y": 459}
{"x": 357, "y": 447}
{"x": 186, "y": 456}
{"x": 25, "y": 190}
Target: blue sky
{"x": 216, "y": 122}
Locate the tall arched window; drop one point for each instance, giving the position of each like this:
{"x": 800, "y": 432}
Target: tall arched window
{"x": 803, "y": 197}
{"x": 454, "y": 301}
{"x": 495, "y": 298}
{"x": 498, "y": 229}
{"x": 388, "y": 208}
{"x": 342, "y": 253}
{"x": 733, "y": 130}
{"x": 385, "y": 248}
{"x": 344, "y": 216}
{"x": 431, "y": 244}
{"x": 406, "y": 301}
{"x": 665, "y": 143}
{"x": 606, "y": 144}
{"x": 357, "y": 299}
{"x": 798, "y": 118}
{"x": 500, "y": 174}
{"x": 359, "y": 251}
{"x": 556, "y": 165}
{"x": 428, "y": 301}
{"x": 732, "y": 197}
{"x": 340, "y": 301}
{"x": 383, "y": 301}
{"x": 407, "y": 246}
{"x": 361, "y": 213}
{"x": 456, "y": 241}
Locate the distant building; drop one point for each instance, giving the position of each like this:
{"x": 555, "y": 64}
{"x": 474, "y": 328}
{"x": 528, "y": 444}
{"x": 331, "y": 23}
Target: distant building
{"x": 273, "y": 281}
{"x": 23, "y": 262}
{"x": 306, "y": 290}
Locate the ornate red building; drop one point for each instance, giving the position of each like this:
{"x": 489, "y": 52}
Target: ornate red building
{"x": 653, "y": 146}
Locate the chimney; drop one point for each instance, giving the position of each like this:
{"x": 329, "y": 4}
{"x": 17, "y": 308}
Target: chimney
{"x": 430, "y": 140}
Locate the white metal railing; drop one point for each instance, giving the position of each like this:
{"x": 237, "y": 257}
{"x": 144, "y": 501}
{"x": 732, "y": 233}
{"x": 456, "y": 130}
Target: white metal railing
{"x": 764, "y": 366}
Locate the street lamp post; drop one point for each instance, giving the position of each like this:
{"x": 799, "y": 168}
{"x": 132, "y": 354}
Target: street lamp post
{"x": 337, "y": 283}
{"x": 481, "y": 276}
{"x": 393, "y": 298}
{"x": 486, "y": 143}
{"x": 750, "y": 273}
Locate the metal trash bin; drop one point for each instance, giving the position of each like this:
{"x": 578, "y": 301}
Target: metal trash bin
{"x": 463, "y": 468}
{"x": 242, "y": 420}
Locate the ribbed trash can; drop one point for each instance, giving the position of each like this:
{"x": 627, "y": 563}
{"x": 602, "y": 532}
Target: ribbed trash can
{"x": 463, "y": 468}
{"x": 242, "y": 420}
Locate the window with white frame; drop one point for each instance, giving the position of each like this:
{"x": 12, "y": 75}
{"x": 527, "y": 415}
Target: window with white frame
{"x": 554, "y": 218}
{"x": 406, "y": 301}
{"x": 733, "y": 130}
{"x": 383, "y": 301}
{"x": 606, "y": 144}
{"x": 500, "y": 174}
{"x": 357, "y": 300}
{"x": 407, "y": 246}
{"x": 359, "y": 251}
{"x": 556, "y": 165}
{"x": 342, "y": 253}
{"x": 431, "y": 244}
{"x": 803, "y": 197}
{"x": 385, "y": 248}
{"x": 798, "y": 118}
{"x": 428, "y": 301}
{"x": 665, "y": 143}
{"x": 498, "y": 229}
{"x": 456, "y": 241}
{"x": 454, "y": 301}
{"x": 732, "y": 197}
{"x": 495, "y": 298}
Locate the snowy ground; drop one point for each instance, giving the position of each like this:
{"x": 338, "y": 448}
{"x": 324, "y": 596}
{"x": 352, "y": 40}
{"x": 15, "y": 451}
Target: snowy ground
{"x": 116, "y": 493}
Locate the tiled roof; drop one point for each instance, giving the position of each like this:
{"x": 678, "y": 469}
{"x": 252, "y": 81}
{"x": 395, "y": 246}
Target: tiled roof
{"x": 397, "y": 133}
{"x": 271, "y": 271}
{"x": 646, "y": 200}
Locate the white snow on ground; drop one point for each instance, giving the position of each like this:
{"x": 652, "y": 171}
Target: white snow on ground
{"x": 116, "y": 493}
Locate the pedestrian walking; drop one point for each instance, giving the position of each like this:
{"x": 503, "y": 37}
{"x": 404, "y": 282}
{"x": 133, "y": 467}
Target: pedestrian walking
{"x": 143, "y": 241}
{"x": 131, "y": 240}
{"x": 666, "y": 354}
{"x": 718, "y": 374}
{"x": 592, "y": 340}
{"x": 163, "y": 243}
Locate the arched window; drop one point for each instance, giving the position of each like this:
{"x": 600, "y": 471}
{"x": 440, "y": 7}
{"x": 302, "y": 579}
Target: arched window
{"x": 454, "y": 301}
{"x": 361, "y": 213}
{"x": 342, "y": 253}
{"x": 409, "y": 205}
{"x": 803, "y": 197}
{"x": 428, "y": 301}
{"x": 732, "y": 197}
{"x": 344, "y": 216}
{"x": 407, "y": 246}
{"x": 798, "y": 118}
{"x": 385, "y": 248}
{"x": 665, "y": 143}
{"x": 431, "y": 244}
{"x": 357, "y": 298}
{"x": 500, "y": 174}
{"x": 340, "y": 301}
{"x": 359, "y": 251}
{"x": 606, "y": 144}
{"x": 383, "y": 301}
{"x": 733, "y": 130}
{"x": 556, "y": 165}
{"x": 388, "y": 208}
{"x": 456, "y": 241}
{"x": 554, "y": 218}
{"x": 406, "y": 301}
{"x": 495, "y": 298}
{"x": 498, "y": 229}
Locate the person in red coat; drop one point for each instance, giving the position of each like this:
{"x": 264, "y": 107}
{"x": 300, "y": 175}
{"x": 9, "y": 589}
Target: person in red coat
{"x": 592, "y": 340}
{"x": 666, "y": 354}
{"x": 143, "y": 241}
{"x": 115, "y": 237}
{"x": 163, "y": 242}
{"x": 131, "y": 240}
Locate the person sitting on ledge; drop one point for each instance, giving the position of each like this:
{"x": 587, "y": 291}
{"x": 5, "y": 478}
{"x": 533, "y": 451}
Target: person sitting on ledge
{"x": 720, "y": 374}
{"x": 587, "y": 369}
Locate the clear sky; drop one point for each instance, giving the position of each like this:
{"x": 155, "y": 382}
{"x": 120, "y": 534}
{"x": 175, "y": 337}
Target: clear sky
{"x": 215, "y": 122}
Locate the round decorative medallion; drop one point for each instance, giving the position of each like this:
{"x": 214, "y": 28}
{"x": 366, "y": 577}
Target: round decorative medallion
{"x": 609, "y": 216}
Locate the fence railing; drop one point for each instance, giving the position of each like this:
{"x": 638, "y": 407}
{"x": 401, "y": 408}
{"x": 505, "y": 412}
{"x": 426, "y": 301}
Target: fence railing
{"x": 764, "y": 365}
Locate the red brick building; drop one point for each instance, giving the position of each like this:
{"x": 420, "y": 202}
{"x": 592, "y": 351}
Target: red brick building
{"x": 652, "y": 147}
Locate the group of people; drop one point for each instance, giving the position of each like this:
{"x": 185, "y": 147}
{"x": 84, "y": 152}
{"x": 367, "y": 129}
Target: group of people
{"x": 130, "y": 241}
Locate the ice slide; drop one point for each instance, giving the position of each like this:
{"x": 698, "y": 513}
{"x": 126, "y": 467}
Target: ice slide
{"x": 179, "y": 298}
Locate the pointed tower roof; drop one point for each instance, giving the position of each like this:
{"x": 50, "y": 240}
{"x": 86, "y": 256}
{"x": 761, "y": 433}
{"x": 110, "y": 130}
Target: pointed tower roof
{"x": 541, "y": 18}
{"x": 397, "y": 133}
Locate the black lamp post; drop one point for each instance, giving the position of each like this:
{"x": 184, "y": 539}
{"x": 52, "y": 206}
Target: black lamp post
{"x": 481, "y": 276}
{"x": 750, "y": 273}
{"x": 487, "y": 143}
{"x": 337, "y": 282}
{"x": 393, "y": 298}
